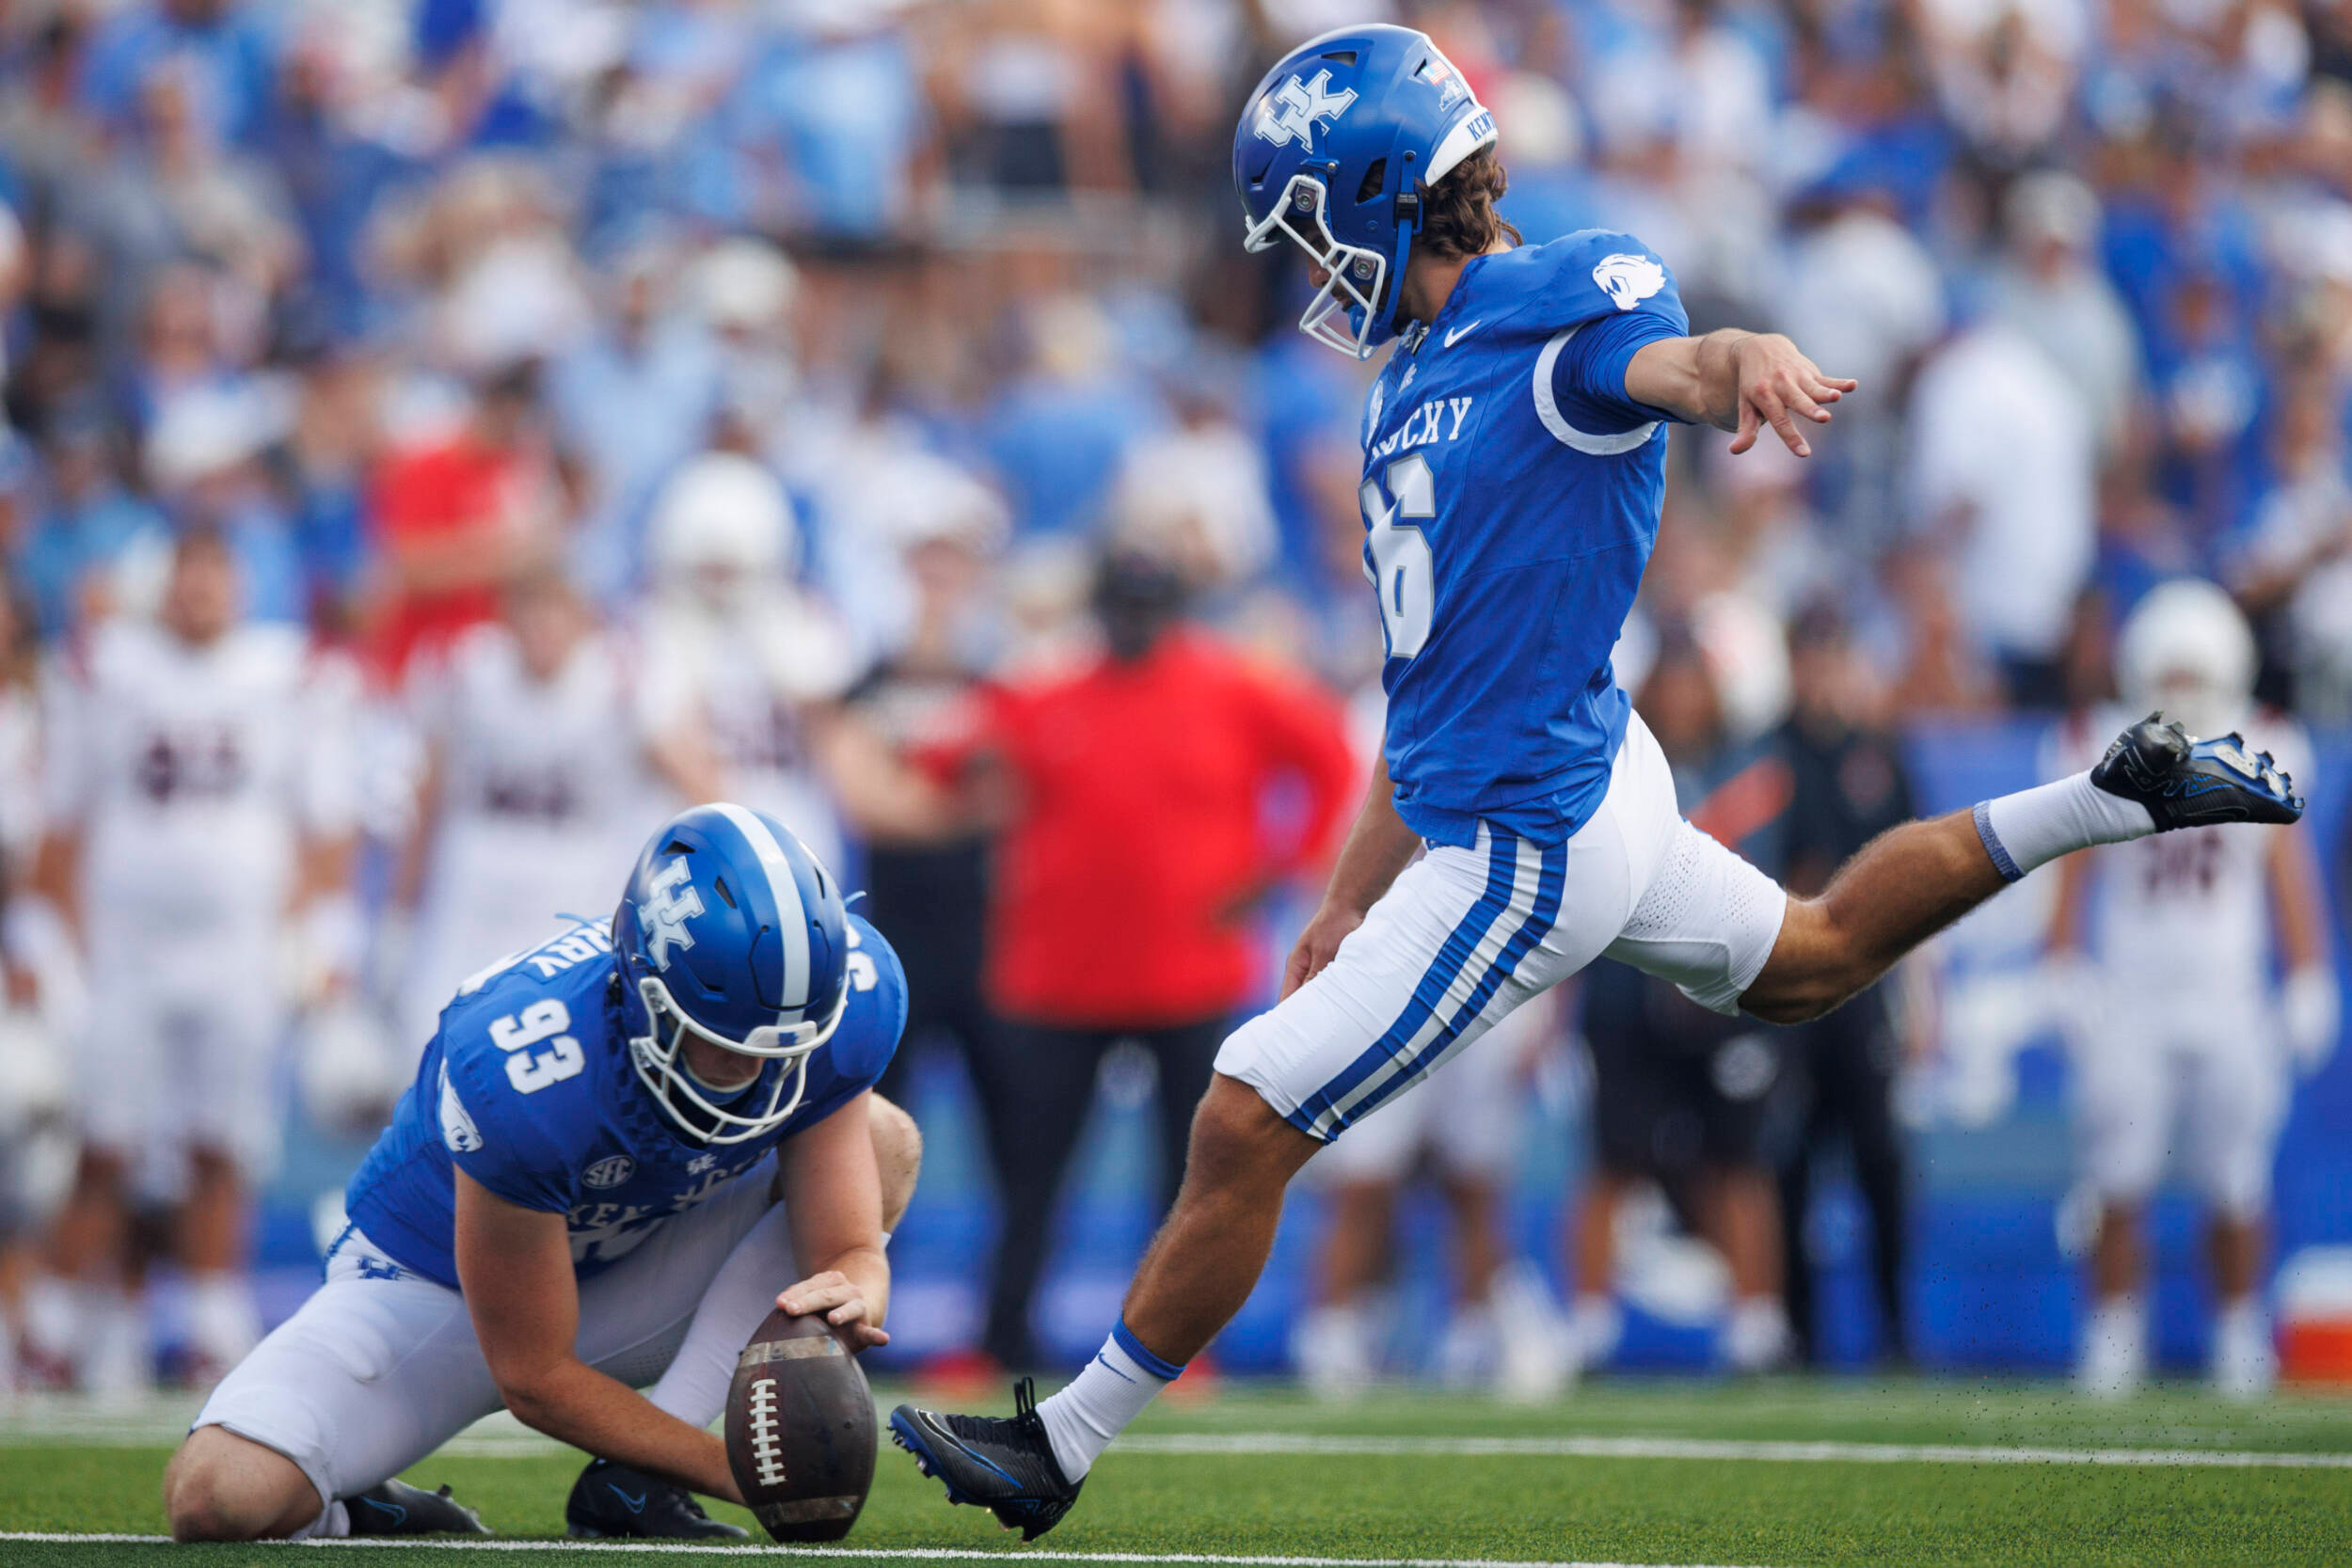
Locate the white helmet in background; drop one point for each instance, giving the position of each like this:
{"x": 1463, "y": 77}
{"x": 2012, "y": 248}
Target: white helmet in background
{"x": 2185, "y": 648}
{"x": 722, "y": 513}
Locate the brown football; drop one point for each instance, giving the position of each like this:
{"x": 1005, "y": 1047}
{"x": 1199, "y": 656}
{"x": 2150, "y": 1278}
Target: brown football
{"x": 800, "y": 1430}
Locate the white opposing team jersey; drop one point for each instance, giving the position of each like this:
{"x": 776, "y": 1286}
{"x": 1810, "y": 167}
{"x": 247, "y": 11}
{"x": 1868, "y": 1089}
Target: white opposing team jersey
{"x": 542, "y": 804}
{"x": 191, "y": 772}
{"x": 746, "y": 683}
{"x": 2181, "y": 921}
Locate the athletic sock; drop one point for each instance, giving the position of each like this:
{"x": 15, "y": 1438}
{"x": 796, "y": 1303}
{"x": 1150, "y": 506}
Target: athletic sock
{"x": 223, "y": 1322}
{"x": 693, "y": 1388}
{"x": 1096, "y": 1406}
{"x": 2038, "y": 824}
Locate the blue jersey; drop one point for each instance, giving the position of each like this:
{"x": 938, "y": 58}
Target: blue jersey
{"x": 1511, "y": 494}
{"x": 528, "y": 1087}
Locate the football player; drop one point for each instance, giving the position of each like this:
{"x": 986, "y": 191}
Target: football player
{"x": 197, "y": 807}
{"x": 616, "y": 1148}
{"x": 524, "y": 796}
{"x": 2180, "y": 1030}
{"x": 1513, "y": 465}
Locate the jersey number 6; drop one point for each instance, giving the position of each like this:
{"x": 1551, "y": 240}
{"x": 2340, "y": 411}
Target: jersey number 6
{"x": 541, "y": 1024}
{"x": 1404, "y": 573}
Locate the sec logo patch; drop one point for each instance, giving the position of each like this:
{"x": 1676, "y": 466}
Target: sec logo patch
{"x": 610, "y": 1173}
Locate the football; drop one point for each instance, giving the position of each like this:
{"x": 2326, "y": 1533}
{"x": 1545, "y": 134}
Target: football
{"x": 800, "y": 1430}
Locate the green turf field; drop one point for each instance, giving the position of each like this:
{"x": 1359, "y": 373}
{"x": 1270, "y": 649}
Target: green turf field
{"x": 1768, "y": 1474}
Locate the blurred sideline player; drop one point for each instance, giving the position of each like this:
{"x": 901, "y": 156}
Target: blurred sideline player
{"x": 199, "y": 804}
{"x": 1514, "y": 474}
{"x": 1683, "y": 1096}
{"x": 740, "y": 665}
{"x": 2181, "y": 1034}
{"x": 1466, "y": 1128}
{"x": 531, "y": 787}
{"x": 617, "y": 1148}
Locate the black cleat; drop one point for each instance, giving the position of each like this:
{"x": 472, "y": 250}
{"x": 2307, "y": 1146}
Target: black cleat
{"x": 1006, "y": 1466}
{"x": 2188, "y": 783}
{"x": 611, "y": 1499}
{"x": 397, "y": 1507}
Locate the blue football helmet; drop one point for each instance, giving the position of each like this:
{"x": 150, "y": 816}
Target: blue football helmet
{"x": 733, "y": 932}
{"x": 1332, "y": 151}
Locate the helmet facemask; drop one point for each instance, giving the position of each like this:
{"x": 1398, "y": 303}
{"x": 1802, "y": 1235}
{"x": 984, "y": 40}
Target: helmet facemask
{"x": 1349, "y": 311}
{"x": 662, "y": 1067}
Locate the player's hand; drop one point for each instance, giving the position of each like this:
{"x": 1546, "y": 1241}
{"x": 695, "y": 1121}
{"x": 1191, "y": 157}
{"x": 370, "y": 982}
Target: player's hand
{"x": 843, "y": 1304}
{"x": 1778, "y": 385}
{"x": 1319, "y": 943}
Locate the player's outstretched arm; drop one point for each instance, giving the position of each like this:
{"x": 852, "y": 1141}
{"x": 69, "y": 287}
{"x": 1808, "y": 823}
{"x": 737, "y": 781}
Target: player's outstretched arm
{"x": 515, "y": 1266}
{"x": 1736, "y": 381}
{"x": 1379, "y": 846}
{"x": 833, "y": 1202}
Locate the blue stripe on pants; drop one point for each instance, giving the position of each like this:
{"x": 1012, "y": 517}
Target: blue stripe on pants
{"x": 1549, "y": 882}
{"x": 1502, "y": 869}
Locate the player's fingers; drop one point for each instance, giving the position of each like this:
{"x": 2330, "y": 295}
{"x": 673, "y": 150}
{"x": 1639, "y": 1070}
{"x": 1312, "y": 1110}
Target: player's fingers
{"x": 1777, "y": 414}
{"x": 1797, "y": 401}
{"x": 1746, "y": 437}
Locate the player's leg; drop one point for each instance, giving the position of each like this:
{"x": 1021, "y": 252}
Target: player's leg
{"x": 1336, "y": 1342}
{"x": 2234, "y": 1105}
{"x": 1040, "y": 1082}
{"x": 233, "y": 1143}
{"x": 377, "y": 1369}
{"x": 83, "y": 1321}
{"x": 2123, "y": 1106}
{"x": 1915, "y": 879}
{"x": 1464, "y": 936}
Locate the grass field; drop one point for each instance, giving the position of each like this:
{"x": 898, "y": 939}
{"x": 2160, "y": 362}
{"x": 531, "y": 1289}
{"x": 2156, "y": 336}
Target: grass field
{"x": 1771, "y": 1475}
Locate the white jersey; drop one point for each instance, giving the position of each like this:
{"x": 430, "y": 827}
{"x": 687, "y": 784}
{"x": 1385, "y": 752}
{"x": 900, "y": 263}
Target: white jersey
{"x": 2180, "y": 923}
{"x": 191, "y": 772}
{"x": 746, "y": 683}
{"x": 540, "y": 804}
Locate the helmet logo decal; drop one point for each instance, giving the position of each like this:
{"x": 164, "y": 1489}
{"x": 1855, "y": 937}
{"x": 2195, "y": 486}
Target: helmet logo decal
{"x": 666, "y": 913}
{"x": 1289, "y": 113}
{"x": 1628, "y": 279}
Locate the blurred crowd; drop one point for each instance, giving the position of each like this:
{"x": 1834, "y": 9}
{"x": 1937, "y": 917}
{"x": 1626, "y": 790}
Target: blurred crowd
{"x": 546, "y": 410}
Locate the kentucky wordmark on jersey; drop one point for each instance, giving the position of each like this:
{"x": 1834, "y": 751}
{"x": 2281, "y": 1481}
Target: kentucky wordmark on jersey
{"x": 1511, "y": 496}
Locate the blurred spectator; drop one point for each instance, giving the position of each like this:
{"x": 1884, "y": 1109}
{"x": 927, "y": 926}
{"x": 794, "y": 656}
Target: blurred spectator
{"x": 2049, "y": 288}
{"x": 1101, "y": 930}
{"x": 2002, "y": 471}
{"x": 199, "y": 789}
{"x": 1846, "y": 783}
{"x": 1683, "y": 1096}
{"x": 455, "y": 518}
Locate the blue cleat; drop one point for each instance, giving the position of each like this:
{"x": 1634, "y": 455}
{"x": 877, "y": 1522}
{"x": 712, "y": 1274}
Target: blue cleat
{"x": 2188, "y": 783}
{"x": 612, "y": 1501}
{"x": 396, "y": 1507}
{"x": 1005, "y": 1466}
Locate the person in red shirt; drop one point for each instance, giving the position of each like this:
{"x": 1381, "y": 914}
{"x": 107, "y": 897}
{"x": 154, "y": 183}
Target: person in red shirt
{"x": 453, "y": 520}
{"x": 1137, "y": 797}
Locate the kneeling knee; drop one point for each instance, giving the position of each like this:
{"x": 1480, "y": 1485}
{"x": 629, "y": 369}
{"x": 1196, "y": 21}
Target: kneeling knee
{"x": 210, "y": 1496}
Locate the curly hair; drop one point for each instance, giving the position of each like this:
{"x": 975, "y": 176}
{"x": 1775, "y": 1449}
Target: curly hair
{"x": 1459, "y": 216}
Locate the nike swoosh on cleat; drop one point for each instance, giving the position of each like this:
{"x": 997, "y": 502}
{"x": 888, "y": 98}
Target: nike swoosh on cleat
{"x": 1463, "y": 332}
{"x": 397, "y": 1512}
{"x": 635, "y": 1504}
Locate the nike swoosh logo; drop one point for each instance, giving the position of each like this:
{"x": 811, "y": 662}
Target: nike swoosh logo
{"x": 1113, "y": 1370}
{"x": 635, "y": 1504}
{"x": 1464, "y": 331}
{"x": 397, "y": 1512}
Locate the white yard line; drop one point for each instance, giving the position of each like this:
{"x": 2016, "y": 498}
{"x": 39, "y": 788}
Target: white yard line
{"x": 1720, "y": 1447}
{"x": 913, "y": 1554}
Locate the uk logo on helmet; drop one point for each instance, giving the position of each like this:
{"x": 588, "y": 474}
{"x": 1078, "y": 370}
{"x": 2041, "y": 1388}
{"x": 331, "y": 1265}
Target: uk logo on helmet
{"x": 667, "y": 911}
{"x": 1289, "y": 113}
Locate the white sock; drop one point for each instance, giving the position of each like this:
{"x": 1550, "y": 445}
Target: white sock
{"x": 738, "y": 1297}
{"x": 2038, "y": 824}
{"x": 224, "y": 1324}
{"x": 1096, "y": 1405}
